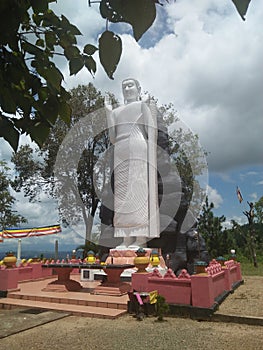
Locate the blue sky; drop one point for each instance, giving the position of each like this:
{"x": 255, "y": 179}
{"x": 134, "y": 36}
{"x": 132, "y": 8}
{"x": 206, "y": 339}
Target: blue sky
{"x": 200, "y": 56}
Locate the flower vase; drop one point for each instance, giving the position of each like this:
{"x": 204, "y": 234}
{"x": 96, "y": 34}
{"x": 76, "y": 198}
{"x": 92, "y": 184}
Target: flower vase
{"x": 10, "y": 260}
{"x": 154, "y": 259}
{"x": 141, "y": 261}
{"x": 200, "y": 267}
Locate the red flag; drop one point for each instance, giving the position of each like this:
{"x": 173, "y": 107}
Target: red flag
{"x": 239, "y": 195}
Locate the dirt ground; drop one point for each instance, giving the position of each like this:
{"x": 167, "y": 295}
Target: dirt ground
{"x": 79, "y": 333}
{"x": 247, "y": 299}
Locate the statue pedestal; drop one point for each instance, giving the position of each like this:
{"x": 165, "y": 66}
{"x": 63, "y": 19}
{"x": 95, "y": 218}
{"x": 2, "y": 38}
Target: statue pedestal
{"x": 126, "y": 256}
{"x": 162, "y": 270}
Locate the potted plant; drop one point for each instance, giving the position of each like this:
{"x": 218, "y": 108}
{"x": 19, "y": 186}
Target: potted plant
{"x": 161, "y": 307}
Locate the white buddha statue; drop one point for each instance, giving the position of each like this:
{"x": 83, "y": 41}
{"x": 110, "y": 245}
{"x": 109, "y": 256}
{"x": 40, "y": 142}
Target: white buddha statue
{"x": 133, "y": 132}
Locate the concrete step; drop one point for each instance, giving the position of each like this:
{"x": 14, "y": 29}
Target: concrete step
{"x": 73, "y": 309}
{"x": 83, "y": 300}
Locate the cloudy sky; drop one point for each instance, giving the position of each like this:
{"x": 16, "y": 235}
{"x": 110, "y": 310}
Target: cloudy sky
{"x": 200, "y": 56}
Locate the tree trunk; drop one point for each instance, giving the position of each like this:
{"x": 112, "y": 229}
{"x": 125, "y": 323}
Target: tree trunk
{"x": 89, "y": 224}
{"x": 89, "y": 219}
{"x": 253, "y": 250}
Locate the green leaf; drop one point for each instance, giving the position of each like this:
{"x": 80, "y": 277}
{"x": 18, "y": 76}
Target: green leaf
{"x": 90, "y": 49}
{"x": 111, "y": 10}
{"x": 9, "y": 132}
{"x": 40, "y": 42}
{"x": 71, "y": 52}
{"x": 30, "y": 48}
{"x": 43, "y": 93}
{"x": 51, "y": 74}
{"x": 110, "y": 49}
{"x": 74, "y": 30}
{"x": 90, "y": 63}
{"x": 75, "y": 65}
{"x": 36, "y": 84}
{"x": 140, "y": 14}
{"x": 51, "y": 20}
{"x": 24, "y": 102}
{"x": 241, "y": 6}
{"x": 64, "y": 111}
{"x": 8, "y": 104}
{"x": 66, "y": 39}
{"x": 37, "y": 18}
{"x": 39, "y": 132}
{"x": 50, "y": 39}
{"x": 66, "y": 25}
{"x": 50, "y": 109}
{"x": 39, "y": 5}
{"x": 65, "y": 95}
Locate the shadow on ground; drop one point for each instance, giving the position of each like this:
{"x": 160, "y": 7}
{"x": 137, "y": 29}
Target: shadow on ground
{"x": 20, "y": 319}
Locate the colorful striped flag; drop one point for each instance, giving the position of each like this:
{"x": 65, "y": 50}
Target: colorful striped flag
{"x": 239, "y": 195}
{"x": 153, "y": 296}
{"x": 29, "y": 232}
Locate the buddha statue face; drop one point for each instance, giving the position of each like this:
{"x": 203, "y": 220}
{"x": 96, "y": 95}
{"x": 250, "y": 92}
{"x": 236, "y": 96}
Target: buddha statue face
{"x": 131, "y": 90}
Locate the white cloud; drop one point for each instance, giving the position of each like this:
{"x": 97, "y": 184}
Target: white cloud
{"x": 214, "y": 197}
{"x": 241, "y": 220}
{"x": 208, "y": 65}
{"x": 41, "y": 213}
{"x": 254, "y": 196}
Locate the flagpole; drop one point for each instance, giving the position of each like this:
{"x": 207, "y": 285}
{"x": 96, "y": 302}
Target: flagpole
{"x": 56, "y": 249}
{"x": 19, "y": 244}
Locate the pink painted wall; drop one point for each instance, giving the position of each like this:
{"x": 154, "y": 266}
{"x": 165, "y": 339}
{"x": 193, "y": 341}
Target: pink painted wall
{"x": 24, "y": 273}
{"x": 140, "y": 282}
{"x": 176, "y": 290}
{"x": 198, "y": 290}
{"x": 9, "y": 278}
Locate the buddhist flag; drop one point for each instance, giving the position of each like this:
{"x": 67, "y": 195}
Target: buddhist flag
{"x": 29, "y": 232}
{"x": 239, "y": 195}
{"x": 153, "y": 296}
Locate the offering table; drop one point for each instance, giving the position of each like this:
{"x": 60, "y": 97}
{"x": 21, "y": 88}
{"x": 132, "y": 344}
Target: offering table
{"x": 112, "y": 286}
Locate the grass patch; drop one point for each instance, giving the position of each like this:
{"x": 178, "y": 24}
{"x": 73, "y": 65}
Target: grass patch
{"x": 248, "y": 269}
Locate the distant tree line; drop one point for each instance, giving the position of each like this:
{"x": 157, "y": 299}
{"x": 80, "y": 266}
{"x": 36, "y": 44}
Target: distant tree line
{"x": 220, "y": 240}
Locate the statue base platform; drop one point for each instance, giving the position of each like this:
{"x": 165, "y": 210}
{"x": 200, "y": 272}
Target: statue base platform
{"x": 126, "y": 256}
{"x": 162, "y": 270}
